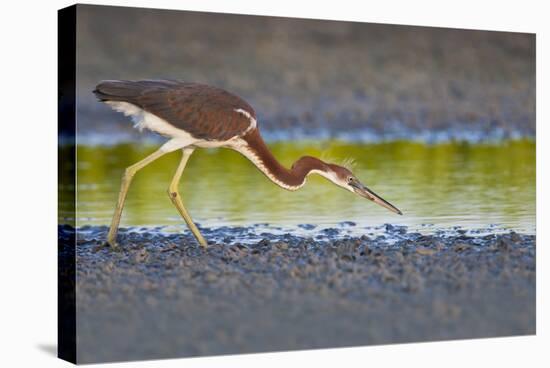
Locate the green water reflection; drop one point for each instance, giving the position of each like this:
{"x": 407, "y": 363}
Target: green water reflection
{"x": 447, "y": 185}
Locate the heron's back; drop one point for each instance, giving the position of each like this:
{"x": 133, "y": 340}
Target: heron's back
{"x": 205, "y": 112}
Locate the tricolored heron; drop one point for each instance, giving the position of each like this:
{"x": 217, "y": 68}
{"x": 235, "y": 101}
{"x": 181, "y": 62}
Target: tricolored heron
{"x": 196, "y": 115}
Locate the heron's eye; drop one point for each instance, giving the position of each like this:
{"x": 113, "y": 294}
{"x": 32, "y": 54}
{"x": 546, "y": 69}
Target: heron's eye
{"x": 350, "y": 179}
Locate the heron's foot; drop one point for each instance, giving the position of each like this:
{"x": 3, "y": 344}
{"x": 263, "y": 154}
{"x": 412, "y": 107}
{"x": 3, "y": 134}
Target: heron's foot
{"x": 200, "y": 239}
{"x": 112, "y": 245}
{"x": 107, "y": 245}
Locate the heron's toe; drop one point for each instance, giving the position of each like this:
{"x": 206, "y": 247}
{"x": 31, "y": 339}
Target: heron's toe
{"x": 112, "y": 245}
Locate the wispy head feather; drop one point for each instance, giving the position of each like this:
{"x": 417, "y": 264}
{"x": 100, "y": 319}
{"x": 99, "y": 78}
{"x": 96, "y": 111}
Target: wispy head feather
{"x": 348, "y": 162}
{"x": 326, "y": 157}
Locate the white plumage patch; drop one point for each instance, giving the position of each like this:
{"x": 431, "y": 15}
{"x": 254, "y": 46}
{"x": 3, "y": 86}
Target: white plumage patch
{"x": 145, "y": 120}
{"x": 179, "y": 138}
{"x": 242, "y": 147}
{"x": 253, "y": 122}
{"x": 124, "y": 107}
{"x": 327, "y": 175}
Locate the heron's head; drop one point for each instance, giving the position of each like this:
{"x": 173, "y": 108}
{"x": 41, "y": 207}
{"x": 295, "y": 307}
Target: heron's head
{"x": 343, "y": 177}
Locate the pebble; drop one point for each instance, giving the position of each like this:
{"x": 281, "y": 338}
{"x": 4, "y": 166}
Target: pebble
{"x": 425, "y": 251}
{"x": 347, "y": 223}
{"x": 331, "y": 231}
{"x": 461, "y": 247}
{"x": 141, "y": 255}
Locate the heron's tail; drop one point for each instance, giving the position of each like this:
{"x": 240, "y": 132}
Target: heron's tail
{"x": 118, "y": 90}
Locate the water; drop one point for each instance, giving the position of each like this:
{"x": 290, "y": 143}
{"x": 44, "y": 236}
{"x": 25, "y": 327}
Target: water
{"x": 436, "y": 186}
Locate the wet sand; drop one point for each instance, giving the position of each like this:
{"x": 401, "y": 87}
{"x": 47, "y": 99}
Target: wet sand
{"x": 163, "y": 296}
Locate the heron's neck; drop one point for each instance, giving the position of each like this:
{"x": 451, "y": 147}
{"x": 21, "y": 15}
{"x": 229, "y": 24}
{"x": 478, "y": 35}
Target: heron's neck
{"x": 255, "y": 149}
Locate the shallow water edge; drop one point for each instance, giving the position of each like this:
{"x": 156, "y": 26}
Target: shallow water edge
{"x": 445, "y": 185}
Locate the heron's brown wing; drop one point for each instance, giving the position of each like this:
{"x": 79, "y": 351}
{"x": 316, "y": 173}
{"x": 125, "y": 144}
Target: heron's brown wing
{"x": 203, "y": 111}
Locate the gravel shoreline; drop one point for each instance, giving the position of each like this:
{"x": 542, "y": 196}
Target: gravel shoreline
{"x": 162, "y": 296}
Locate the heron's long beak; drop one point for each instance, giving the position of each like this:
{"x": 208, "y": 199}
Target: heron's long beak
{"x": 363, "y": 191}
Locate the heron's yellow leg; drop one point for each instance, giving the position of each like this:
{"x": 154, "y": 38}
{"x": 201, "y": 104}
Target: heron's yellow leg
{"x": 126, "y": 180}
{"x": 175, "y": 197}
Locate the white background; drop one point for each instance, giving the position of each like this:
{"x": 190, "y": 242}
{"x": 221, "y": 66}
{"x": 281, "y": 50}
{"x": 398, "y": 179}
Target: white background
{"x": 28, "y": 199}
